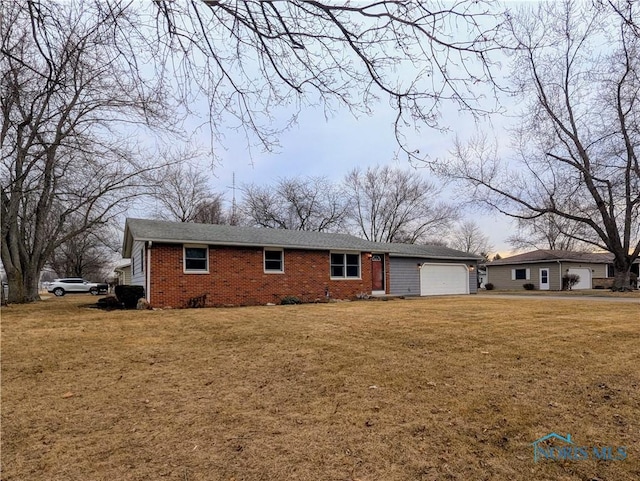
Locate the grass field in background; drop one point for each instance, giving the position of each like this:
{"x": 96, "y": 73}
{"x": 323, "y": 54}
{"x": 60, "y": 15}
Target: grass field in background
{"x": 451, "y": 388}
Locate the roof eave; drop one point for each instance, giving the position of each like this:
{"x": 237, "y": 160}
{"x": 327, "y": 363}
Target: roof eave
{"x": 243, "y": 244}
{"x": 444, "y": 258}
{"x": 127, "y": 242}
{"x": 542, "y": 261}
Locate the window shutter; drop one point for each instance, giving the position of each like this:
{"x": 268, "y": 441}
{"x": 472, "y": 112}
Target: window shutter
{"x": 528, "y": 274}
{"x": 513, "y": 274}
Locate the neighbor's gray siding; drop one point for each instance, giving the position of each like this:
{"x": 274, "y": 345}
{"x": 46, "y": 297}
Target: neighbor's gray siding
{"x": 404, "y": 275}
{"x": 473, "y": 278}
{"x": 500, "y": 276}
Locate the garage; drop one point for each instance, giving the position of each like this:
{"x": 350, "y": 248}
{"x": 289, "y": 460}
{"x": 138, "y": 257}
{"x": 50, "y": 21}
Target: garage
{"x": 585, "y": 277}
{"x": 438, "y": 279}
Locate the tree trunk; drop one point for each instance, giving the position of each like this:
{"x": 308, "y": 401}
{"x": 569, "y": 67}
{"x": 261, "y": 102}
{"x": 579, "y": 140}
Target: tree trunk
{"x": 23, "y": 286}
{"x": 621, "y": 274}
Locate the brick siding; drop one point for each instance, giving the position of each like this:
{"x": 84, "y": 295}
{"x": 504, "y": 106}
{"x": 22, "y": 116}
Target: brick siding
{"x": 236, "y": 277}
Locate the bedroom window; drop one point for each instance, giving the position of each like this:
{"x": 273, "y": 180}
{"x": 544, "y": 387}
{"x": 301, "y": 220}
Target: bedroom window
{"x": 273, "y": 261}
{"x": 345, "y": 266}
{"x": 196, "y": 259}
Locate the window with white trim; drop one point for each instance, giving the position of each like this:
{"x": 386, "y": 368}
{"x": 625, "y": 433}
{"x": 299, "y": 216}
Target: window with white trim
{"x": 610, "y": 271}
{"x": 196, "y": 259}
{"x": 345, "y": 265}
{"x": 274, "y": 261}
{"x": 520, "y": 274}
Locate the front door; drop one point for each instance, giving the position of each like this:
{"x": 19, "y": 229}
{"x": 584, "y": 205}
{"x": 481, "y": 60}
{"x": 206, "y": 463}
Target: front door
{"x": 544, "y": 279}
{"x": 377, "y": 273}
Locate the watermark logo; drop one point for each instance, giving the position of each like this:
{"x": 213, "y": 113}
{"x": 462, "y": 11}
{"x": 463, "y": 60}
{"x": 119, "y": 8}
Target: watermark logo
{"x": 554, "y": 447}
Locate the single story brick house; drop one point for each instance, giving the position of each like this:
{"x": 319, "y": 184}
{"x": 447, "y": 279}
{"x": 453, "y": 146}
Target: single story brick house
{"x": 546, "y": 268}
{"x": 234, "y": 266}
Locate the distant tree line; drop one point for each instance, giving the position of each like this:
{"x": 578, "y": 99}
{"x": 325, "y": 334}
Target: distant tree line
{"x": 380, "y": 203}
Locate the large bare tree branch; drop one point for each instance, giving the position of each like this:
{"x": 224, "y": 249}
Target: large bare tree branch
{"x": 578, "y": 73}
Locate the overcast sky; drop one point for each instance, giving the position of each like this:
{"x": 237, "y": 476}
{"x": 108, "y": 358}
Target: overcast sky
{"x": 331, "y": 147}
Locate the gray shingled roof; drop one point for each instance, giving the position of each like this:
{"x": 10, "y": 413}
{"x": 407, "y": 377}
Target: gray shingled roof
{"x": 545, "y": 255}
{"x": 179, "y": 232}
{"x": 431, "y": 251}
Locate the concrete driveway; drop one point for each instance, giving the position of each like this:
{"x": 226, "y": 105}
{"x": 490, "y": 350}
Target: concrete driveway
{"x": 635, "y": 300}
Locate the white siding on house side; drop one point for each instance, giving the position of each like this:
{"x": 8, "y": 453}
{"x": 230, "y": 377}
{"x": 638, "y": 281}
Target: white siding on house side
{"x": 137, "y": 267}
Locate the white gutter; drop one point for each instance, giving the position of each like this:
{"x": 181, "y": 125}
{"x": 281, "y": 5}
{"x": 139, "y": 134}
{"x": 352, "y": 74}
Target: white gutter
{"x": 148, "y": 276}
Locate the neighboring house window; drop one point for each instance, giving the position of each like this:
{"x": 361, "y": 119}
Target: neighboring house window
{"x": 196, "y": 259}
{"x": 345, "y": 265}
{"x": 273, "y": 260}
{"x": 520, "y": 274}
{"x": 610, "y": 271}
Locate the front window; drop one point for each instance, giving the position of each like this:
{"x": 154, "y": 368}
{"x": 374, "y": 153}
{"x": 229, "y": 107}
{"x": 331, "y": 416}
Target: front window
{"x": 345, "y": 265}
{"x": 196, "y": 259}
{"x": 610, "y": 272}
{"x": 274, "y": 261}
{"x": 521, "y": 274}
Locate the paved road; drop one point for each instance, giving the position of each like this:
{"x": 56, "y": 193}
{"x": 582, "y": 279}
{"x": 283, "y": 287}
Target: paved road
{"x": 565, "y": 298}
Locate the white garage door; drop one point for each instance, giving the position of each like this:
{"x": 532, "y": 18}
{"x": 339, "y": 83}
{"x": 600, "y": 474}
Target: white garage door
{"x": 443, "y": 279}
{"x": 585, "y": 278}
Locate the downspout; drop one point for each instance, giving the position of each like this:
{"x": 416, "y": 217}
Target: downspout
{"x": 147, "y": 287}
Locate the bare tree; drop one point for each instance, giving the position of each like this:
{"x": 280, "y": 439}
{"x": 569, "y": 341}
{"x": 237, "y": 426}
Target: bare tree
{"x": 182, "y": 192}
{"x": 89, "y": 255}
{"x": 76, "y": 74}
{"x": 346, "y": 53}
{"x": 213, "y": 211}
{"x": 550, "y": 231}
{"x": 65, "y": 164}
{"x": 396, "y": 205}
{"x": 577, "y": 67}
{"x": 627, "y": 11}
{"x": 312, "y": 204}
{"x": 467, "y": 236}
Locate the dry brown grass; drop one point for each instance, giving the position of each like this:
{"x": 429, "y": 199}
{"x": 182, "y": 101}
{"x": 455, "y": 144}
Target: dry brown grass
{"x": 430, "y": 389}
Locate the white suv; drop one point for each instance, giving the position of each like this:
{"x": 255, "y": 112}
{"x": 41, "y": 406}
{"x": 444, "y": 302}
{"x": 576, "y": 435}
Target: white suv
{"x": 60, "y": 287}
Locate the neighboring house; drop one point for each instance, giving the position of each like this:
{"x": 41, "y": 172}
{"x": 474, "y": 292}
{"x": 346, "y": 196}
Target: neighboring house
{"x": 482, "y": 276}
{"x": 123, "y": 272}
{"x": 229, "y": 265}
{"x": 546, "y": 268}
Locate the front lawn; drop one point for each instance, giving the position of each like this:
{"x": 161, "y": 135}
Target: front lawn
{"x": 428, "y": 389}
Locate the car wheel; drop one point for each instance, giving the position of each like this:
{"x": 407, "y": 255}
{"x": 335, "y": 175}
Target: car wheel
{"x": 58, "y": 291}
{"x": 93, "y": 291}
